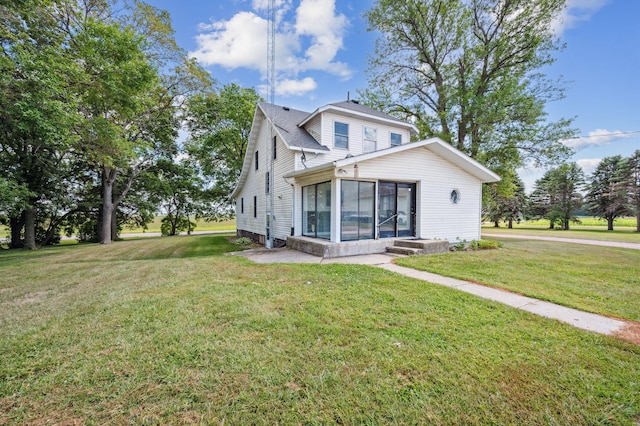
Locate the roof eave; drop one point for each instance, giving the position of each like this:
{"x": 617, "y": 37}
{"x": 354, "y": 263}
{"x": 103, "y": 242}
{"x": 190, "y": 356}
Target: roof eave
{"x": 399, "y": 123}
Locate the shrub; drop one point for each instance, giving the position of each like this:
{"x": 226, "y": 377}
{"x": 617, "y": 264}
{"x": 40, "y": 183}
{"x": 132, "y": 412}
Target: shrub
{"x": 484, "y": 245}
{"x": 476, "y": 245}
{"x": 243, "y": 241}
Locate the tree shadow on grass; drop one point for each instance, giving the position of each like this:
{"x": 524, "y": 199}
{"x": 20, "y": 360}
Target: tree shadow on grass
{"x": 178, "y": 247}
{"x": 202, "y": 246}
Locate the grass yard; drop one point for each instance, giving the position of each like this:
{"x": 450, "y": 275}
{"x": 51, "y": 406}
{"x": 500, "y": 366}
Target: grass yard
{"x": 603, "y": 280}
{"x": 625, "y": 235}
{"x": 201, "y": 225}
{"x": 590, "y": 228}
{"x": 170, "y": 330}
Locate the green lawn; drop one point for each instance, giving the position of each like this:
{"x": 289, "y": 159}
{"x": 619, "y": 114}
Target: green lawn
{"x": 597, "y": 279}
{"x": 201, "y": 225}
{"x": 625, "y": 235}
{"x": 172, "y": 331}
{"x": 590, "y": 228}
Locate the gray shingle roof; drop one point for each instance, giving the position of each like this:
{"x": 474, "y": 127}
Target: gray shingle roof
{"x": 287, "y": 120}
{"x": 357, "y": 107}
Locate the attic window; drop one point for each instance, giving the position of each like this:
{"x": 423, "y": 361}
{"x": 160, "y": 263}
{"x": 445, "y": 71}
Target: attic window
{"x": 370, "y": 139}
{"x": 396, "y": 139}
{"x": 341, "y": 135}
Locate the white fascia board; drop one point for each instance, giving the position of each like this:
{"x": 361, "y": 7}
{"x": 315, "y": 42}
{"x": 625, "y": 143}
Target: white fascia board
{"x": 258, "y": 118}
{"x": 436, "y": 145}
{"x": 352, "y": 113}
{"x": 311, "y": 170}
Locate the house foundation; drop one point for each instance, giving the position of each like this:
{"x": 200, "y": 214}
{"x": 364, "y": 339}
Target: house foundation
{"x": 328, "y": 249}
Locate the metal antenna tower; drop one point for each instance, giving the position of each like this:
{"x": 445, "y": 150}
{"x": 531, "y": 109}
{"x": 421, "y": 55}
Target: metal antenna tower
{"x": 270, "y": 142}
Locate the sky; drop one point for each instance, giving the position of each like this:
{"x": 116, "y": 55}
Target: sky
{"x": 322, "y": 47}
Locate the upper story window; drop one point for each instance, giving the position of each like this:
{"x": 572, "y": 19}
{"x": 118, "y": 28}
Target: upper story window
{"x": 396, "y": 139}
{"x": 257, "y": 160}
{"x": 341, "y": 135}
{"x": 370, "y": 139}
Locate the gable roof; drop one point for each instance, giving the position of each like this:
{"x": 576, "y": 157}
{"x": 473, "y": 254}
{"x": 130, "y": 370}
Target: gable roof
{"x": 355, "y": 109}
{"x": 436, "y": 145}
{"x": 286, "y": 122}
{"x": 289, "y": 126}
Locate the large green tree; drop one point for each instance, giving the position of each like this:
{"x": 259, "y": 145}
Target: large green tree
{"x": 504, "y": 200}
{"x": 219, "y": 123}
{"x": 556, "y": 196}
{"x": 137, "y": 80}
{"x": 37, "y": 111}
{"x": 469, "y": 71}
{"x": 607, "y": 191}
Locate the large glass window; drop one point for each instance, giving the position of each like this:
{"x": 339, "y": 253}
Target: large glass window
{"x": 357, "y": 210}
{"x": 341, "y": 135}
{"x": 316, "y": 210}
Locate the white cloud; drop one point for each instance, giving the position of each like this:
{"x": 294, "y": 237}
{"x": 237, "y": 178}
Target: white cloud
{"x": 575, "y": 12}
{"x": 596, "y": 138}
{"x": 296, "y": 87}
{"x": 318, "y": 20}
{"x": 588, "y": 164}
{"x": 239, "y": 42}
{"x": 310, "y": 42}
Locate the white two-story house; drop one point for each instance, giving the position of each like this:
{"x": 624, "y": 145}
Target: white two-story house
{"x": 349, "y": 175}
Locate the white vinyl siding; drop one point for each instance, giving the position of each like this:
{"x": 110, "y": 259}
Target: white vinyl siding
{"x": 282, "y": 192}
{"x": 356, "y": 138}
{"x": 435, "y": 178}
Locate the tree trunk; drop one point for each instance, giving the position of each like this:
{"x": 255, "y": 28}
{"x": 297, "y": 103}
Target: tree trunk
{"x": 610, "y": 224}
{"x": 638, "y": 218}
{"x": 30, "y": 229}
{"x": 496, "y": 224}
{"x": 16, "y": 224}
{"x": 114, "y": 222}
{"x": 510, "y": 223}
{"x": 552, "y": 224}
{"x": 566, "y": 224}
{"x": 104, "y": 229}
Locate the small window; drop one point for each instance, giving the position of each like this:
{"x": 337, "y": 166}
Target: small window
{"x": 454, "y": 196}
{"x": 274, "y": 148}
{"x": 396, "y": 139}
{"x": 370, "y": 139}
{"x": 257, "y": 160}
{"x": 241, "y": 205}
{"x": 255, "y": 206}
{"x": 267, "y": 183}
{"x": 341, "y": 136}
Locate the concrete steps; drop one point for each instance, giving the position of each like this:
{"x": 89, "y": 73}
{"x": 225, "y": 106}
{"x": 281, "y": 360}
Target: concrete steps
{"x": 407, "y": 251}
{"x": 415, "y": 247}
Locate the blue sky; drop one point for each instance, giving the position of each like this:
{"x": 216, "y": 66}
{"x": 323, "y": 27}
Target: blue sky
{"x": 322, "y": 48}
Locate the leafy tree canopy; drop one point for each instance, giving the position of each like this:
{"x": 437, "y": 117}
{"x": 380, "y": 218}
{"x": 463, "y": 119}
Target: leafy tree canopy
{"x": 468, "y": 71}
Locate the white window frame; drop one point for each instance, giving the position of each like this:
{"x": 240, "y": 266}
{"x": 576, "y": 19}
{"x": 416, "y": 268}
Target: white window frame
{"x": 391, "y": 139}
{"x": 370, "y": 139}
{"x": 335, "y": 135}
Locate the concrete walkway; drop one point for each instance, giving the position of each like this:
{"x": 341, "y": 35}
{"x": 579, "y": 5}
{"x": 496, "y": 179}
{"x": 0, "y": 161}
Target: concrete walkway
{"x": 586, "y": 321}
{"x": 633, "y": 246}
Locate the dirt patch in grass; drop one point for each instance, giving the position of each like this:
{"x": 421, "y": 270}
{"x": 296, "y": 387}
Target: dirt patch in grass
{"x": 630, "y": 332}
{"x": 30, "y": 298}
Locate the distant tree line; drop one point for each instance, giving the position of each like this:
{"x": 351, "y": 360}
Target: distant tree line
{"x": 610, "y": 192}
{"x": 93, "y": 94}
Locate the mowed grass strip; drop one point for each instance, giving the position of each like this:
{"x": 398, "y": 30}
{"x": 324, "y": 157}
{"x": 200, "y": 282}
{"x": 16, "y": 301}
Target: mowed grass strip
{"x": 619, "y": 234}
{"x": 603, "y": 280}
{"x": 172, "y": 331}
